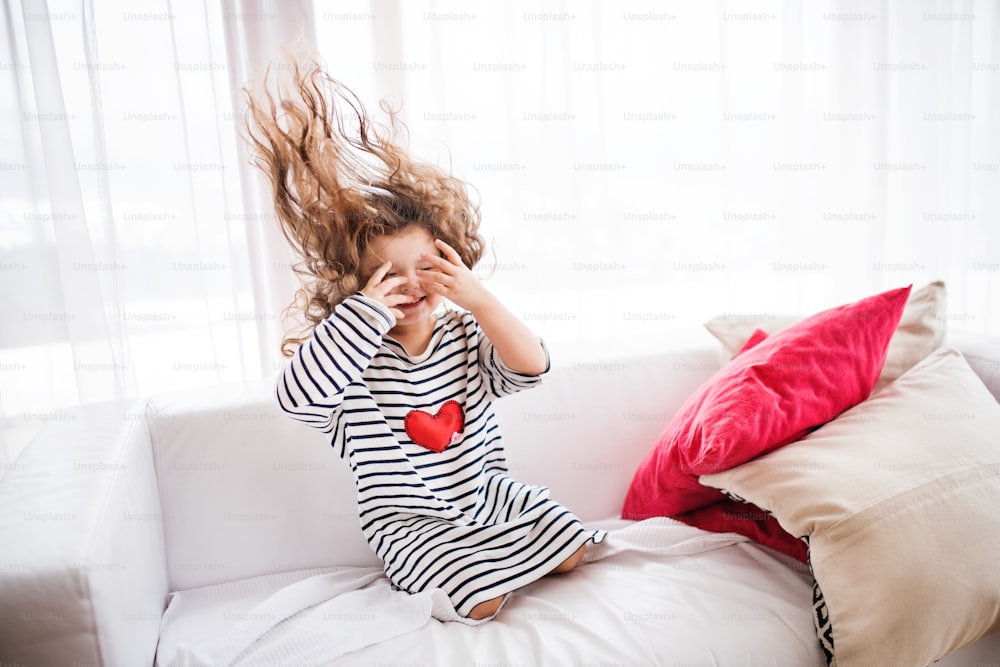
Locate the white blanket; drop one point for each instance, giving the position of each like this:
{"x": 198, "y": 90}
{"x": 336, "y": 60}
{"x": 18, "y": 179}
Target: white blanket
{"x": 316, "y": 616}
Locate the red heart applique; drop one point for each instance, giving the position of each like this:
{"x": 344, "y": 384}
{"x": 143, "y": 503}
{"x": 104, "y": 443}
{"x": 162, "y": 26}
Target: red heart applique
{"x": 435, "y": 432}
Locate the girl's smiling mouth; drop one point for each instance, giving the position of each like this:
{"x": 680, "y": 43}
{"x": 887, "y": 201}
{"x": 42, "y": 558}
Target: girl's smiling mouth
{"x": 408, "y": 306}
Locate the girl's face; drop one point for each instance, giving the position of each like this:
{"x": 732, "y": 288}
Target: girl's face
{"x": 403, "y": 250}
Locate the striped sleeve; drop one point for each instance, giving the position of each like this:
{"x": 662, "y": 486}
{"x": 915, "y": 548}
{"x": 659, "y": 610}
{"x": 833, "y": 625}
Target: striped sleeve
{"x": 500, "y": 379}
{"x": 311, "y": 387}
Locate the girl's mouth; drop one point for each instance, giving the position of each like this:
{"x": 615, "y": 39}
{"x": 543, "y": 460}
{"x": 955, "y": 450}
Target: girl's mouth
{"x": 410, "y": 306}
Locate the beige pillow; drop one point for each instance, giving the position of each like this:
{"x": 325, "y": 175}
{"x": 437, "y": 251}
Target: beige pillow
{"x": 921, "y": 331}
{"x": 899, "y": 498}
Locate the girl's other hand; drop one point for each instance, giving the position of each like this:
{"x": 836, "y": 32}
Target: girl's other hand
{"x": 378, "y": 288}
{"x": 517, "y": 346}
{"x": 452, "y": 279}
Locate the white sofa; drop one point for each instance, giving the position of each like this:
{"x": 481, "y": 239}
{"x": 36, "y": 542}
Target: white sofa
{"x": 115, "y": 507}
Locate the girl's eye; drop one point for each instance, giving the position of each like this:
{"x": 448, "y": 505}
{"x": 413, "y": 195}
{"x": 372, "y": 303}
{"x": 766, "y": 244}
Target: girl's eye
{"x": 391, "y": 275}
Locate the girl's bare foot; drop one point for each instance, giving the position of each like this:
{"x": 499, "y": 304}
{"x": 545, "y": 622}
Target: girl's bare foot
{"x": 572, "y": 561}
{"x": 490, "y": 607}
{"x": 485, "y": 609}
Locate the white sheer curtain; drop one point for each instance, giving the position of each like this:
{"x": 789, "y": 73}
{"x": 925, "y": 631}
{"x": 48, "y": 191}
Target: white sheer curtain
{"x": 645, "y": 166}
{"x": 642, "y": 166}
{"x": 136, "y": 255}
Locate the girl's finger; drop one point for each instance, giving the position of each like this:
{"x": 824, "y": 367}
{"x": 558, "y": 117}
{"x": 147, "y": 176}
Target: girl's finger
{"x": 383, "y": 288}
{"x": 448, "y": 251}
{"x": 435, "y": 276}
{"x": 378, "y": 275}
{"x": 396, "y": 299}
{"x": 433, "y": 287}
{"x": 389, "y": 284}
{"x": 440, "y": 263}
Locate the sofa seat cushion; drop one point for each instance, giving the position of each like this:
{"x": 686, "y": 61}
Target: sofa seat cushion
{"x": 659, "y": 588}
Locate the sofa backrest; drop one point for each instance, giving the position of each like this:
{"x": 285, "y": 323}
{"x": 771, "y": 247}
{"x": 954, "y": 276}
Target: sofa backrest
{"x": 983, "y": 354}
{"x": 247, "y": 491}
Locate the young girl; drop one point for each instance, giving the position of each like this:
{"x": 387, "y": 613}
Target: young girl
{"x": 403, "y": 388}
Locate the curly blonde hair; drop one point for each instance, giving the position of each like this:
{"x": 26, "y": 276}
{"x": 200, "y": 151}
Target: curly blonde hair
{"x": 339, "y": 182}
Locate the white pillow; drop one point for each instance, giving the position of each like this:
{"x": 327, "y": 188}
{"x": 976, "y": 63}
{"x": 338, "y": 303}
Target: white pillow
{"x": 899, "y": 498}
{"x": 921, "y": 330}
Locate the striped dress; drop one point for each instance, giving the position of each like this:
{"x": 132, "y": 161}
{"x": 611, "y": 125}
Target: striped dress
{"x": 450, "y": 520}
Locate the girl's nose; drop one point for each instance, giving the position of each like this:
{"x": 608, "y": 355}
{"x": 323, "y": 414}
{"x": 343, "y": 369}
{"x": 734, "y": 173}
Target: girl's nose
{"x": 412, "y": 282}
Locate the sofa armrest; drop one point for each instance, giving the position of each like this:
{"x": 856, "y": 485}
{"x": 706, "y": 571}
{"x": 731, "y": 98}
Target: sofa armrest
{"x": 82, "y": 568}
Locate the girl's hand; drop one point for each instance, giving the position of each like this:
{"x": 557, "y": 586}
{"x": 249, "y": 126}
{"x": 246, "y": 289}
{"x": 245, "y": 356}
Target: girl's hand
{"x": 517, "y": 346}
{"x": 378, "y": 288}
{"x": 452, "y": 279}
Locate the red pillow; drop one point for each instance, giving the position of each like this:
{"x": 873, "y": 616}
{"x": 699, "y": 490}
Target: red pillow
{"x": 768, "y": 396}
{"x": 757, "y": 336}
{"x": 728, "y": 516}
{"x": 747, "y": 519}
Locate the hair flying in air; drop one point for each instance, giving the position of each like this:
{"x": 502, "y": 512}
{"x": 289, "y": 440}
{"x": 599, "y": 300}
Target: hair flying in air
{"x": 339, "y": 181}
